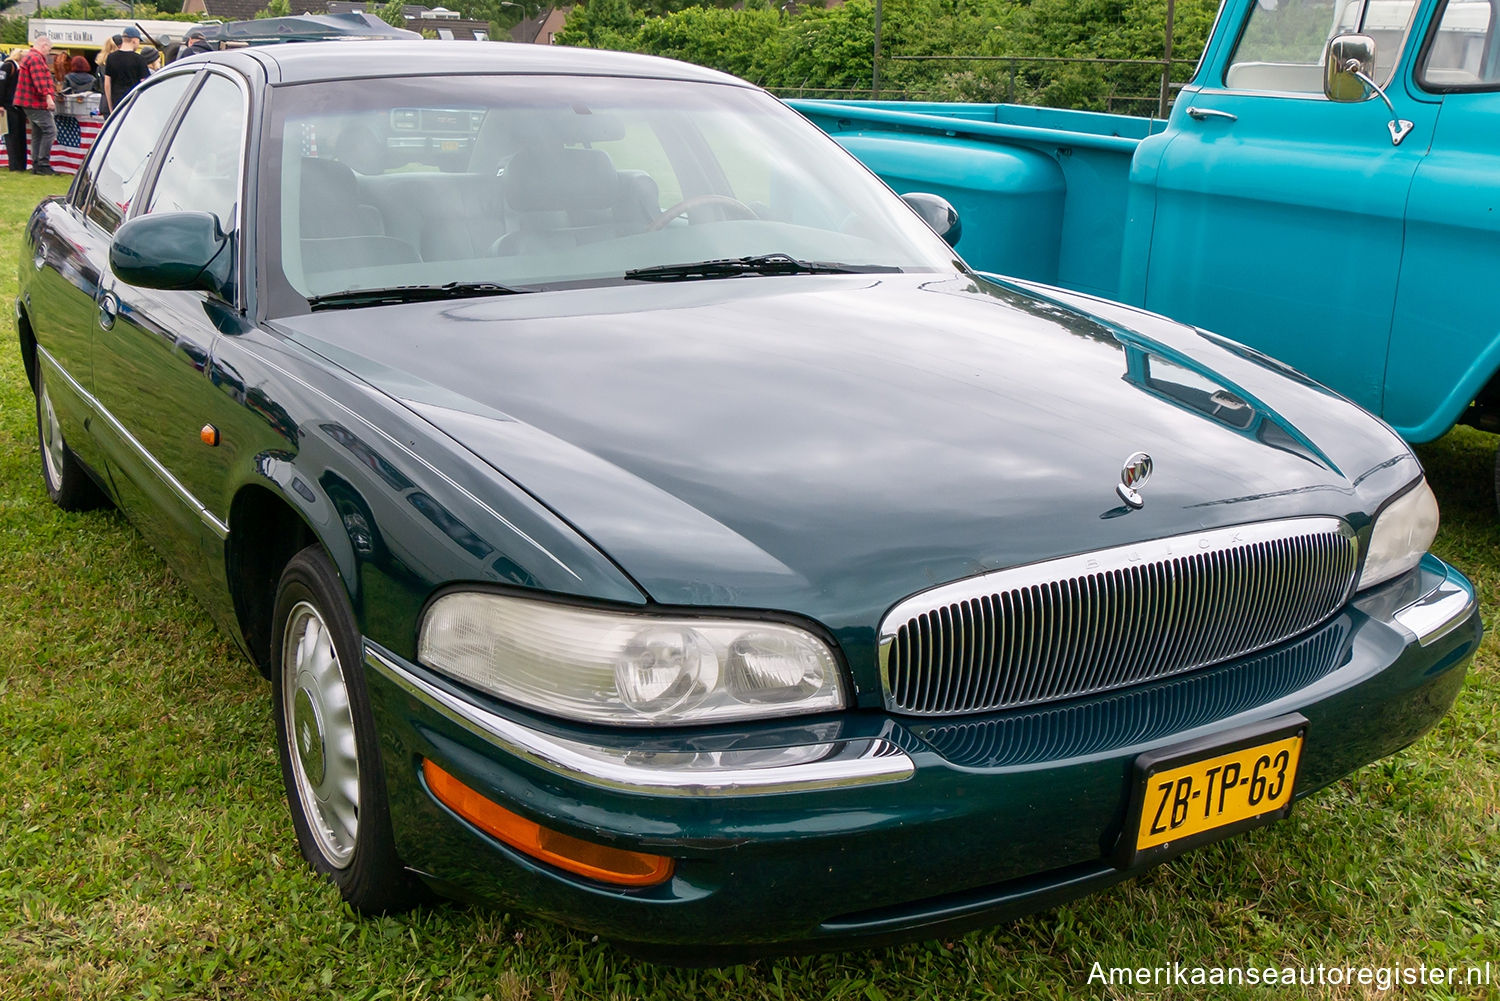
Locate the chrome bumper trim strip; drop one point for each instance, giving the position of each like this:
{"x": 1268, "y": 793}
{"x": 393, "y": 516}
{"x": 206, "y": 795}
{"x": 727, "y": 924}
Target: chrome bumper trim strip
{"x": 1437, "y": 613}
{"x": 839, "y": 763}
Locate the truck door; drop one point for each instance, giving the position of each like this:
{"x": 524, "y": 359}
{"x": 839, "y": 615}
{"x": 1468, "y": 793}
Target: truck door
{"x": 1445, "y": 340}
{"x": 1279, "y": 213}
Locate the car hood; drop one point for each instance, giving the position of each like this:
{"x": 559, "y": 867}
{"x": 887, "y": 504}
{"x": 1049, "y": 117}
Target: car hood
{"x": 829, "y": 445}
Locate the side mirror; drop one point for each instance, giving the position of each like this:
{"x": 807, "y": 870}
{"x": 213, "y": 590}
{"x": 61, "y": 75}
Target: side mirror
{"x": 172, "y": 250}
{"x": 937, "y": 212}
{"x": 1347, "y": 57}
{"x": 1349, "y": 75}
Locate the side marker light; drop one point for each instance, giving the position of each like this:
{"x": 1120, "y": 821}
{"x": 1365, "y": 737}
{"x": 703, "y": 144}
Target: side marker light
{"x": 584, "y": 858}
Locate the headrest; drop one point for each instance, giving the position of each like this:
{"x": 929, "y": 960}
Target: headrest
{"x": 560, "y": 179}
{"x": 359, "y": 147}
{"x": 329, "y": 198}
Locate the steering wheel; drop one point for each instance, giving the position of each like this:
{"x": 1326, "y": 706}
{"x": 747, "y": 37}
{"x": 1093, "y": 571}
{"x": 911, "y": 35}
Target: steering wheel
{"x": 698, "y": 201}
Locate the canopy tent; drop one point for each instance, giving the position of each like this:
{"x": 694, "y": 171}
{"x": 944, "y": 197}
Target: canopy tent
{"x": 304, "y": 28}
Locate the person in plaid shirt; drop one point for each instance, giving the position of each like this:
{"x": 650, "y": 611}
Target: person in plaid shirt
{"x": 36, "y": 95}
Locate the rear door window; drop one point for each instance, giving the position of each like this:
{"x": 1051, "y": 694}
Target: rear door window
{"x": 130, "y": 151}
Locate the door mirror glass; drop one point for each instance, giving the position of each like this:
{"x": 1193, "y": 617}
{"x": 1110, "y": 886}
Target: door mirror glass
{"x": 172, "y": 250}
{"x": 1347, "y": 58}
{"x": 937, "y": 212}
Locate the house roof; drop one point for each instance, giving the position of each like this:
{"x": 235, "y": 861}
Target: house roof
{"x": 409, "y": 10}
{"x": 533, "y": 29}
{"x": 462, "y": 29}
{"x": 245, "y": 10}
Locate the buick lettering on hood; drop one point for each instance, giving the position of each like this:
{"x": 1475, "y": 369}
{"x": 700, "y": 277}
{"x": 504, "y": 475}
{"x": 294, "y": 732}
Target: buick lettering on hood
{"x": 647, "y": 520}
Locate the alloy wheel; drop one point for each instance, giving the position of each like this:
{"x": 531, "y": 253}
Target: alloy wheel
{"x": 320, "y": 733}
{"x": 53, "y": 447}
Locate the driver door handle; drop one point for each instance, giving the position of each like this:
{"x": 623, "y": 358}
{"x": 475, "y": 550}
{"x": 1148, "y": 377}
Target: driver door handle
{"x": 1200, "y": 114}
{"x": 109, "y": 308}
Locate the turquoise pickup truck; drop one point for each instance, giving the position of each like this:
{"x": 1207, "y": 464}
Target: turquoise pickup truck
{"x": 1326, "y": 189}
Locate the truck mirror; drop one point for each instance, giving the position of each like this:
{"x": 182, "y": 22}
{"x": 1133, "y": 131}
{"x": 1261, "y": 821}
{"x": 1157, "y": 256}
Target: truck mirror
{"x": 1348, "y": 68}
{"x": 937, "y": 212}
{"x": 1347, "y": 59}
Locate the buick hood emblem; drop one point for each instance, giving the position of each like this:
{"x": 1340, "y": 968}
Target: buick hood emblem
{"x": 1136, "y": 472}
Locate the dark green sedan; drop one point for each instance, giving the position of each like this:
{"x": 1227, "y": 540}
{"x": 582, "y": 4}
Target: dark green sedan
{"x": 646, "y": 520}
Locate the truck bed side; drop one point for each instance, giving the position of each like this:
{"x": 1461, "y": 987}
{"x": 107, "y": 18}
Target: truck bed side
{"x": 1043, "y": 193}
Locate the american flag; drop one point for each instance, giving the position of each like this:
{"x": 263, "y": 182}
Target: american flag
{"x": 74, "y": 137}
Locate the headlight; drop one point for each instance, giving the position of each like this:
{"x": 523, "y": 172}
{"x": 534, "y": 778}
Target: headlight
{"x": 624, "y": 668}
{"x": 1402, "y": 533}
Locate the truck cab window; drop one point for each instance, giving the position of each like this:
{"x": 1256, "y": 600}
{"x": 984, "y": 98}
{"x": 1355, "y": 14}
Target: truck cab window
{"x": 1459, "y": 55}
{"x": 1281, "y": 47}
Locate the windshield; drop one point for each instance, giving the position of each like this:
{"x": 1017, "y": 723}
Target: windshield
{"x": 553, "y": 182}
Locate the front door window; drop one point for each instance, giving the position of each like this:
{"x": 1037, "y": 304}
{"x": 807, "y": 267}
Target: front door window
{"x": 1281, "y": 48}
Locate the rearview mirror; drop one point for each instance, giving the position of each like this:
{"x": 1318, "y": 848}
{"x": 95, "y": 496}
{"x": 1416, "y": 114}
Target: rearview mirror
{"x": 172, "y": 250}
{"x": 937, "y": 212}
{"x": 1348, "y": 57}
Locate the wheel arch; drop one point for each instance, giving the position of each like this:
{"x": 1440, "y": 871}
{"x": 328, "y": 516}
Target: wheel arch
{"x": 28, "y": 344}
{"x": 1487, "y": 404}
{"x": 1424, "y": 406}
{"x": 266, "y": 529}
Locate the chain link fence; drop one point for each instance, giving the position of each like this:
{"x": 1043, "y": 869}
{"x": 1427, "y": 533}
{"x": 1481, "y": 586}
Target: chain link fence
{"x": 1124, "y": 86}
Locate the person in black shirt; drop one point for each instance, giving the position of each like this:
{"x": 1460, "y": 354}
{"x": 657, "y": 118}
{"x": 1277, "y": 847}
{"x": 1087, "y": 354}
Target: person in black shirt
{"x": 124, "y": 68}
{"x": 15, "y": 118}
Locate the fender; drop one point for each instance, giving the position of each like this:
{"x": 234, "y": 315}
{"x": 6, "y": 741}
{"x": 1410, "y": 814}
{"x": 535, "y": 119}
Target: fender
{"x": 345, "y": 457}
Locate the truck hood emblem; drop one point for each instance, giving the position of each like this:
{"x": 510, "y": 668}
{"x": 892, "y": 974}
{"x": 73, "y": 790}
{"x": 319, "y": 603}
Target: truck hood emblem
{"x": 1137, "y": 471}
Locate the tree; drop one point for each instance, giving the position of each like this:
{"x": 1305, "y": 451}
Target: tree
{"x": 829, "y": 52}
{"x": 87, "y": 10}
{"x": 742, "y": 42}
{"x": 393, "y": 14}
{"x": 602, "y": 24}
{"x": 276, "y": 8}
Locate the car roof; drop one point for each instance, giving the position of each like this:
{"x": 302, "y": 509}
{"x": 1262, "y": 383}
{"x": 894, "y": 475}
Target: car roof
{"x": 305, "y": 62}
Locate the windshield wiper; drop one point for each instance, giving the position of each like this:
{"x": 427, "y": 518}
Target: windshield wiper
{"x": 762, "y": 264}
{"x": 409, "y": 293}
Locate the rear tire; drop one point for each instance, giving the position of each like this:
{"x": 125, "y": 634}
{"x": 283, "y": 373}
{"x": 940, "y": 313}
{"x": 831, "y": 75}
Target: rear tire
{"x": 67, "y": 482}
{"x": 330, "y": 759}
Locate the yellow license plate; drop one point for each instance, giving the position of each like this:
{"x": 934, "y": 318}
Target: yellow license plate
{"x": 1183, "y": 800}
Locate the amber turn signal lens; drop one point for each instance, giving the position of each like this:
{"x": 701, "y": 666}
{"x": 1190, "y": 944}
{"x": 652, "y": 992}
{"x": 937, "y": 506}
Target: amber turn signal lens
{"x": 608, "y": 865}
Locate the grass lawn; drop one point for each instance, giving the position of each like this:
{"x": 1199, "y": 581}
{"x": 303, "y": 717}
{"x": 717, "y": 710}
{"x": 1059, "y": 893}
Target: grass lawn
{"x": 145, "y": 849}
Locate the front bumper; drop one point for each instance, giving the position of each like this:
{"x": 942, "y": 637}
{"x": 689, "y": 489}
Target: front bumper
{"x": 862, "y": 828}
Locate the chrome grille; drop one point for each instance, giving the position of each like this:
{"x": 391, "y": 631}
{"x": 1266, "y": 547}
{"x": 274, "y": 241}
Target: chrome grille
{"x": 1104, "y": 620}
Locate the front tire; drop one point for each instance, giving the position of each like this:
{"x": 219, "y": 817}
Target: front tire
{"x": 67, "y": 483}
{"x": 1497, "y": 480}
{"x": 330, "y": 762}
